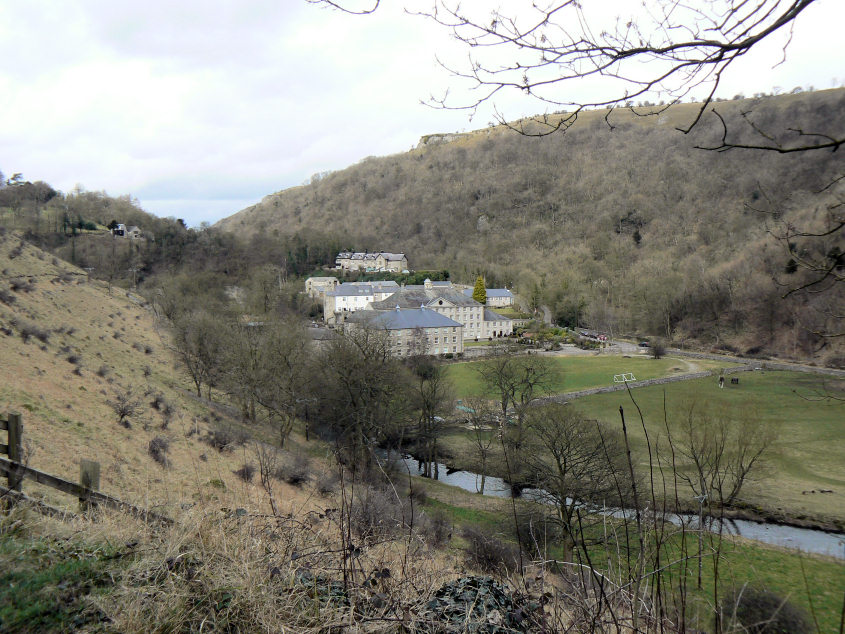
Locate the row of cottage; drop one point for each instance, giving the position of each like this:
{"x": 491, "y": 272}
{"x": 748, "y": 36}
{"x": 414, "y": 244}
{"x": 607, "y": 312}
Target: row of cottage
{"x": 371, "y": 261}
{"x": 434, "y": 317}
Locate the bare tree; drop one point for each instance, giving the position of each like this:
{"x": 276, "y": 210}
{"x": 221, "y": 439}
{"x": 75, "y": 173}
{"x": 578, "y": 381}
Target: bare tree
{"x": 433, "y": 397}
{"x": 719, "y": 451}
{"x": 662, "y": 49}
{"x": 361, "y": 394}
{"x": 281, "y": 380}
{"x": 576, "y": 462}
{"x": 197, "y": 339}
{"x": 516, "y": 380}
{"x": 484, "y": 434}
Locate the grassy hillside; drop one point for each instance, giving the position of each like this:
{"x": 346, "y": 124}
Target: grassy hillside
{"x": 69, "y": 350}
{"x": 626, "y": 228}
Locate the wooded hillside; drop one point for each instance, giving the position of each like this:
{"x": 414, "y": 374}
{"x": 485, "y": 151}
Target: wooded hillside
{"x": 625, "y": 227}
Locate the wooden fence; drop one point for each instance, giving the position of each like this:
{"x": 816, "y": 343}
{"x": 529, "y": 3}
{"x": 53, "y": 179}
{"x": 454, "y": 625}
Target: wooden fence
{"x": 86, "y": 490}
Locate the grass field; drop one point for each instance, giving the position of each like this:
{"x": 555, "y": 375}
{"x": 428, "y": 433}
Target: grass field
{"x": 809, "y": 450}
{"x": 808, "y": 454}
{"x": 574, "y": 373}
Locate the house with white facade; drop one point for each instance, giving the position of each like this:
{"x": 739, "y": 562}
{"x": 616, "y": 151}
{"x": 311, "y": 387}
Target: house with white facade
{"x": 353, "y": 296}
{"x": 127, "y": 231}
{"x": 412, "y": 331}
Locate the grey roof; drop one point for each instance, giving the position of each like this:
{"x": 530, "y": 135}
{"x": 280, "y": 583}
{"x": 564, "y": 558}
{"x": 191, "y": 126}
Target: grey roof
{"x": 351, "y": 290}
{"x": 416, "y": 297}
{"x": 491, "y": 292}
{"x": 490, "y": 315}
{"x": 369, "y": 255}
{"x": 403, "y": 319}
{"x": 322, "y": 279}
{"x": 378, "y": 284}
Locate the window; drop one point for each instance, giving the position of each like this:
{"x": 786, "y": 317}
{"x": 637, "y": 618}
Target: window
{"x": 454, "y": 339}
{"x": 435, "y": 339}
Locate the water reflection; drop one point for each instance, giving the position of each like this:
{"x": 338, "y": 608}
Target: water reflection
{"x": 806, "y": 539}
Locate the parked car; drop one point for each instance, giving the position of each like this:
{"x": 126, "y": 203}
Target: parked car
{"x": 643, "y": 344}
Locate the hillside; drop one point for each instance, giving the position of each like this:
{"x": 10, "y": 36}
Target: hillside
{"x": 70, "y": 350}
{"x": 627, "y": 228}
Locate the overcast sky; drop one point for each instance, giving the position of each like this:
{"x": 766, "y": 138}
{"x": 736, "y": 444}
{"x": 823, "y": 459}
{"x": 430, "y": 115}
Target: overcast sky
{"x": 199, "y": 109}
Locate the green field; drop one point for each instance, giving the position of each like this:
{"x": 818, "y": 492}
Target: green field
{"x": 807, "y": 456}
{"x": 809, "y": 449}
{"x": 574, "y": 373}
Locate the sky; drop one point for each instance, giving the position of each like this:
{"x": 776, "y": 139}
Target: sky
{"x": 199, "y": 109}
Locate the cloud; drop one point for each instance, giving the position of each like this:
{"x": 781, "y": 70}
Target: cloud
{"x": 200, "y": 108}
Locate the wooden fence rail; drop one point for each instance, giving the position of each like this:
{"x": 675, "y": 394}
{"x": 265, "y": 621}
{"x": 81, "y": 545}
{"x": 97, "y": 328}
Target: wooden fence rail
{"x": 86, "y": 490}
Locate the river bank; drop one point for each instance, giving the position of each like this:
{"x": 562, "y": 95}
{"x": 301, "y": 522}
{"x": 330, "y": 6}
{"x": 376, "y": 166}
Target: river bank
{"x": 810, "y": 535}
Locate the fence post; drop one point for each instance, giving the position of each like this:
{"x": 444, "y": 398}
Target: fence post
{"x": 15, "y": 448}
{"x": 89, "y": 477}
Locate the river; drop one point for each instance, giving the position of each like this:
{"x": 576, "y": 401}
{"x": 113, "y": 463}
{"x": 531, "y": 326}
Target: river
{"x": 805, "y": 539}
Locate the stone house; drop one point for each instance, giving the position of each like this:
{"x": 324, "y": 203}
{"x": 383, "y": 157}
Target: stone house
{"x": 495, "y": 296}
{"x": 318, "y": 286}
{"x": 367, "y": 261}
{"x": 477, "y": 322}
{"x": 412, "y": 331}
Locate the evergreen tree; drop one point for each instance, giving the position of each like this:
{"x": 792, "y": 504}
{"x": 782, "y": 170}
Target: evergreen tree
{"x": 479, "y": 293}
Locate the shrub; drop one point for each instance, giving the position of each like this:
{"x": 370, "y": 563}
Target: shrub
{"x": 103, "y": 371}
{"x": 489, "y": 553}
{"x": 223, "y": 439}
{"x": 21, "y": 284}
{"x": 6, "y": 297}
{"x": 327, "y": 483}
{"x": 658, "y": 348}
{"x": 436, "y": 528}
{"x": 158, "y": 450}
{"x": 760, "y": 611}
{"x": 418, "y": 495}
{"x": 294, "y": 470}
{"x": 536, "y": 531}
{"x": 73, "y": 358}
{"x": 31, "y": 330}
{"x": 125, "y": 405}
{"x": 246, "y": 472}
{"x": 375, "y": 512}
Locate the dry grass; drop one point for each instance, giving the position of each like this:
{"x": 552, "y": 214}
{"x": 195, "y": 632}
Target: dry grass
{"x": 66, "y": 414}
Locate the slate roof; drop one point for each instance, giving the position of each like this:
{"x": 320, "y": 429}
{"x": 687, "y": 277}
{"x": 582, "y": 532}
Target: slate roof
{"x": 491, "y": 292}
{"x": 351, "y": 290}
{"x": 403, "y": 319}
{"x": 490, "y": 315}
{"x": 416, "y": 297}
